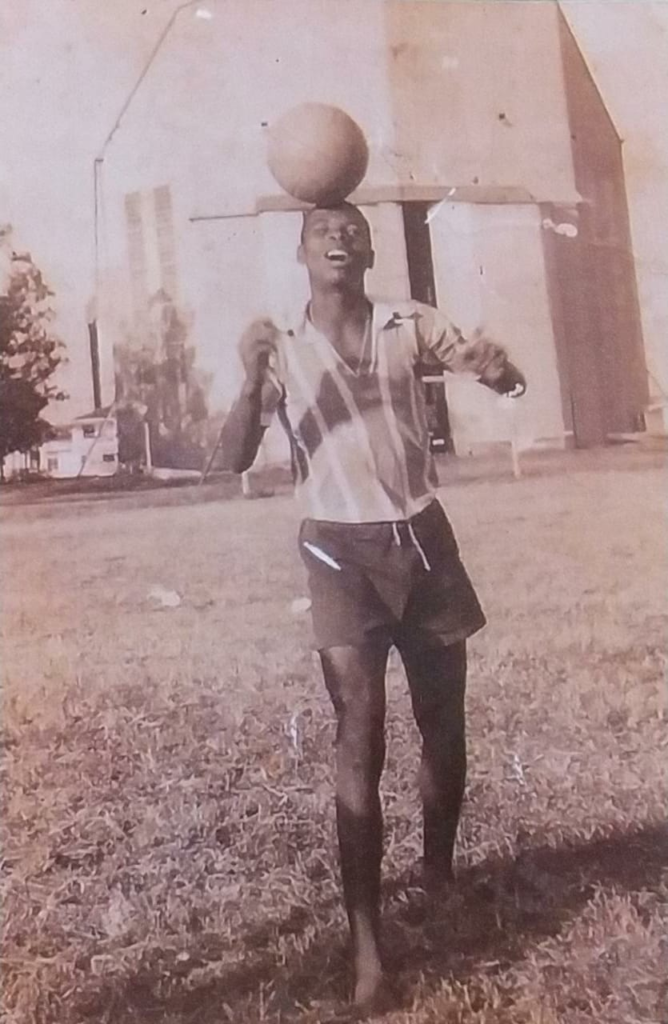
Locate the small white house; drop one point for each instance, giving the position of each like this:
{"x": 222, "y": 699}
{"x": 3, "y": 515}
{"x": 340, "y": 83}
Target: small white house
{"x": 88, "y": 446}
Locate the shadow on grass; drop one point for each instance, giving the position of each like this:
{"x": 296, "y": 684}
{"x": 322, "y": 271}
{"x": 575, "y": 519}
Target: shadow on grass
{"x": 495, "y": 912}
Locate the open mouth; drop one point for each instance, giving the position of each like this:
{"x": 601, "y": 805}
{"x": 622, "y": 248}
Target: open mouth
{"x": 339, "y": 257}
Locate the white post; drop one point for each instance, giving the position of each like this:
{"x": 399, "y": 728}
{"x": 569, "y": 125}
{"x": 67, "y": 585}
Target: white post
{"x": 510, "y": 409}
{"x": 517, "y": 472}
{"x": 147, "y": 448}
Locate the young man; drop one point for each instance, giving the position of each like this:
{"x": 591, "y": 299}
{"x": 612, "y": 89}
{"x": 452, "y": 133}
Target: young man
{"x": 382, "y": 560}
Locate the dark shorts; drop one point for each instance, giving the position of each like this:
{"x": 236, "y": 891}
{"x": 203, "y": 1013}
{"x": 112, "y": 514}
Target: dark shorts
{"x": 404, "y": 578}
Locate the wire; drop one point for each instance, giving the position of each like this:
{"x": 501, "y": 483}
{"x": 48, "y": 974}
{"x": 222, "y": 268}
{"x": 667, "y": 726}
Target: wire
{"x": 97, "y": 166}
{"x": 99, "y": 159}
{"x": 145, "y": 70}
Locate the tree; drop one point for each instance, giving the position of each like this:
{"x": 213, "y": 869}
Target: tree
{"x": 29, "y": 352}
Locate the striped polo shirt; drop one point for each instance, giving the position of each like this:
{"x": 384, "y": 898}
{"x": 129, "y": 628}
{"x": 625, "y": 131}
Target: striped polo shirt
{"x": 359, "y": 440}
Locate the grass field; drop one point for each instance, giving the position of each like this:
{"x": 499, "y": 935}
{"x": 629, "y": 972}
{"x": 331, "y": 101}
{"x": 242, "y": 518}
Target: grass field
{"x": 167, "y": 771}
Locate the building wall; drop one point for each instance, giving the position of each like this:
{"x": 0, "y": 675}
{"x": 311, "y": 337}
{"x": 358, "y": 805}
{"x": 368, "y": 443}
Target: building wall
{"x": 489, "y": 272}
{"x": 591, "y": 272}
{"x": 78, "y": 453}
{"x": 477, "y": 94}
{"x": 625, "y": 46}
{"x": 449, "y": 94}
{"x": 410, "y": 72}
{"x": 220, "y": 82}
{"x": 64, "y": 456}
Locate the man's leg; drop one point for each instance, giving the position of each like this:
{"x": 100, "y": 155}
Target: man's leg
{"x": 355, "y": 679}
{"x": 437, "y": 679}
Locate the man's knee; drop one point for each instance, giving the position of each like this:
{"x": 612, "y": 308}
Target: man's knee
{"x": 367, "y": 660}
{"x": 361, "y": 730}
{"x": 360, "y": 747}
{"x": 355, "y": 679}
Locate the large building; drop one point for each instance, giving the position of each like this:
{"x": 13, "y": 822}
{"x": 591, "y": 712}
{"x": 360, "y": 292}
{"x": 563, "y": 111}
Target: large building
{"x": 495, "y": 189}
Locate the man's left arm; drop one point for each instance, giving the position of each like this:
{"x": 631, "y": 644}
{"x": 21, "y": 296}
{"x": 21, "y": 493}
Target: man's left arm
{"x": 441, "y": 342}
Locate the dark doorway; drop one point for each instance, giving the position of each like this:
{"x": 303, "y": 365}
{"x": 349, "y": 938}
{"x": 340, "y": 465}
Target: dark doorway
{"x": 423, "y": 289}
{"x": 418, "y": 252}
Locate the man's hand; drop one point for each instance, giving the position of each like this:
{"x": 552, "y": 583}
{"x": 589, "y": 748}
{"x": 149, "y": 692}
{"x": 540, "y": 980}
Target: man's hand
{"x": 258, "y": 343}
{"x": 510, "y": 383}
{"x": 498, "y": 373}
{"x": 245, "y": 424}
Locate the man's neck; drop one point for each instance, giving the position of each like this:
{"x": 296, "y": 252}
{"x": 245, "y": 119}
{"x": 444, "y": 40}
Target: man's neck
{"x": 332, "y": 311}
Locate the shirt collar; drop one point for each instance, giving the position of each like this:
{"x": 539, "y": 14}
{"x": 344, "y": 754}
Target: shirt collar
{"x": 384, "y": 316}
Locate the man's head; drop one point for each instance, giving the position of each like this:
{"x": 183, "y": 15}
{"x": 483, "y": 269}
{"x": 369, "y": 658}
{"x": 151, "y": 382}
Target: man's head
{"x": 336, "y": 246}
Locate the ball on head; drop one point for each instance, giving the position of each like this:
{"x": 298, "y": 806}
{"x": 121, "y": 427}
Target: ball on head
{"x": 317, "y": 153}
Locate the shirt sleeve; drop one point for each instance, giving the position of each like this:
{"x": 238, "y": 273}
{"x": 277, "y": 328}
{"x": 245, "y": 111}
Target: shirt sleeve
{"x": 440, "y": 341}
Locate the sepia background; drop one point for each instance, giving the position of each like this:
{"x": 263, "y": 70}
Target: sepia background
{"x": 535, "y": 127}
{"x": 168, "y": 837}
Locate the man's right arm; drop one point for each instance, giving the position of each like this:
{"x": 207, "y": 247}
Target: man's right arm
{"x": 242, "y": 431}
{"x": 249, "y": 417}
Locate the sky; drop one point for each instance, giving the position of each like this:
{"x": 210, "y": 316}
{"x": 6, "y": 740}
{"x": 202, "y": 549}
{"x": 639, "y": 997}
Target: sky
{"x": 66, "y": 67}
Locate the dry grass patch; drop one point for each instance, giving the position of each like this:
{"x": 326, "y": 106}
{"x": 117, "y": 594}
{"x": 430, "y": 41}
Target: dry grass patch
{"x": 169, "y": 850}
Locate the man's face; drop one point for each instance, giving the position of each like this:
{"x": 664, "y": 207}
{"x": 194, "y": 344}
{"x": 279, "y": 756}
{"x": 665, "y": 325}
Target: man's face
{"x": 336, "y": 245}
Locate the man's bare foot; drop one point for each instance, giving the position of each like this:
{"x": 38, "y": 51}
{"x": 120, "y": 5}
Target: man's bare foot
{"x": 367, "y": 963}
{"x": 373, "y": 994}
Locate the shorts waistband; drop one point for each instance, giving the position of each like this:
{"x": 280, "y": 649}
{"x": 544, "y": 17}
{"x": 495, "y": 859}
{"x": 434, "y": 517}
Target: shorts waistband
{"x": 401, "y": 532}
{"x": 374, "y": 527}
